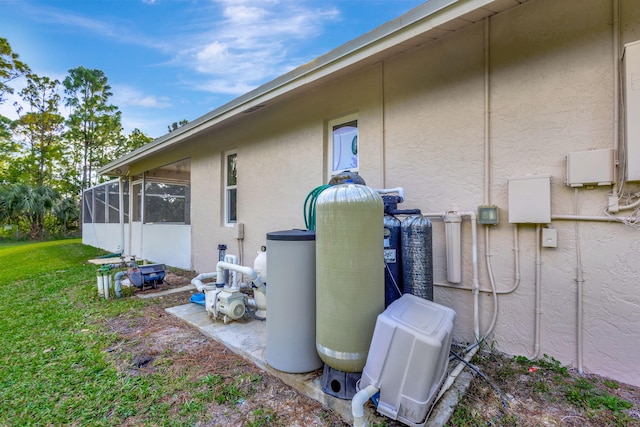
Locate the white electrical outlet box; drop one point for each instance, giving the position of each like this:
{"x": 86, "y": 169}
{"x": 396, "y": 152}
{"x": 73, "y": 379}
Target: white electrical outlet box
{"x": 631, "y": 66}
{"x": 549, "y": 238}
{"x": 593, "y": 167}
{"x": 530, "y": 199}
{"x": 240, "y": 230}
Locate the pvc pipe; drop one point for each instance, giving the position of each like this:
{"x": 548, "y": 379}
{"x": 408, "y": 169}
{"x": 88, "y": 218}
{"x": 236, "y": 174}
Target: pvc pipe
{"x": 452, "y": 246}
{"x": 474, "y": 262}
{"x": 197, "y": 281}
{"x": 121, "y": 212}
{"x": 232, "y": 259}
{"x": 538, "y": 286}
{"x": 247, "y": 271}
{"x": 451, "y": 378}
{"x": 100, "y": 282}
{"x": 516, "y": 284}
{"x": 610, "y": 218}
{"x": 580, "y": 286}
{"x": 630, "y": 206}
{"x": 487, "y": 121}
{"x": 616, "y": 91}
{"x": 107, "y": 284}
{"x": 118, "y": 280}
{"x": 492, "y": 281}
{"x": 358, "y": 402}
{"x": 398, "y": 190}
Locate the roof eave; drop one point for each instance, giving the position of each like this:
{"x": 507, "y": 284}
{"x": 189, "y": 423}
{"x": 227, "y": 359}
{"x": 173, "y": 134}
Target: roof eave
{"x": 418, "y": 20}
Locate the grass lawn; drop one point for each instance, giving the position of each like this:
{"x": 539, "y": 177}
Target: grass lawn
{"x": 52, "y": 347}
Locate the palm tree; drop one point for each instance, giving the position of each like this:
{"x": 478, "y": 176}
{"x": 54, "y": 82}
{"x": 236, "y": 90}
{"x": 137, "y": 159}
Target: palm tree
{"x": 31, "y": 204}
{"x": 66, "y": 212}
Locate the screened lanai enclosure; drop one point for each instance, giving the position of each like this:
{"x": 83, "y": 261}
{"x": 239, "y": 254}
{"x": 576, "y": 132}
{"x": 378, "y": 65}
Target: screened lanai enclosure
{"x": 147, "y": 216}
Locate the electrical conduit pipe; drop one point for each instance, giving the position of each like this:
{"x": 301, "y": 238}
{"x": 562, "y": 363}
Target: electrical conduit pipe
{"x": 538, "y": 285}
{"x": 358, "y": 402}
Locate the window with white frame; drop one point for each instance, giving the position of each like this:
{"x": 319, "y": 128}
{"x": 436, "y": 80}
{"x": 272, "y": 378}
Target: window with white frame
{"x": 230, "y": 188}
{"x": 343, "y": 144}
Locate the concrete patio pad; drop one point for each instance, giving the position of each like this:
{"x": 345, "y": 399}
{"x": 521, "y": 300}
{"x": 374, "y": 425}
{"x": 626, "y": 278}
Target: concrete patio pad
{"x": 248, "y": 339}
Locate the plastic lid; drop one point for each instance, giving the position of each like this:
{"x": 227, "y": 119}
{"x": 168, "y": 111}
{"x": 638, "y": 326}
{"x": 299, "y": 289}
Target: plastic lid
{"x": 292, "y": 235}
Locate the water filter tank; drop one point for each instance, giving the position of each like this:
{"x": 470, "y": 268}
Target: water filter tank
{"x": 417, "y": 257}
{"x": 350, "y": 273}
{"x": 291, "y": 326}
{"x": 392, "y": 259}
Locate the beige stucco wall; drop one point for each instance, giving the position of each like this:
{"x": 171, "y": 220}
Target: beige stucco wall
{"x": 422, "y": 127}
{"x": 551, "y": 93}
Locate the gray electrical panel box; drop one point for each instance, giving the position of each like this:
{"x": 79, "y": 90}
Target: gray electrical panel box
{"x": 631, "y": 66}
{"x": 530, "y": 199}
{"x": 593, "y": 167}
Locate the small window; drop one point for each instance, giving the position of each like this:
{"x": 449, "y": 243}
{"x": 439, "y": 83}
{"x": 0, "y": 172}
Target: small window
{"x": 231, "y": 188}
{"x": 343, "y": 146}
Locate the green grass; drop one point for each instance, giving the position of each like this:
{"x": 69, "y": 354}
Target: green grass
{"x": 55, "y": 369}
{"x": 54, "y": 351}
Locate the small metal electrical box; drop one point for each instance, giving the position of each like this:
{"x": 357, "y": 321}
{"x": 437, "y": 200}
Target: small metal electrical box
{"x": 549, "y": 238}
{"x": 488, "y": 215}
{"x": 530, "y": 199}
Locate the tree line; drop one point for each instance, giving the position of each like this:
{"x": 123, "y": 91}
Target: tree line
{"x": 49, "y": 157}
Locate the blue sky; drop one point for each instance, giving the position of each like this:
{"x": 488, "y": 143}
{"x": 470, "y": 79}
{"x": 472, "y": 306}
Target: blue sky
{"x": 168, "y": 60}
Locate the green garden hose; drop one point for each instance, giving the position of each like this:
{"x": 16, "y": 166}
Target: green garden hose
{"x": 309, "y": 209}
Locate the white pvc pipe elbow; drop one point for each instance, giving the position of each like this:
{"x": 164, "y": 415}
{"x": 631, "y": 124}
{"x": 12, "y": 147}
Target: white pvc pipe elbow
{"x": 197, "y": 281}
{"x": 358, "y": 402}
{"x": 247, "y": 271}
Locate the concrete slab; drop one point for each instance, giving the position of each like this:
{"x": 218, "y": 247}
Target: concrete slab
{"x": 248, "y": 339}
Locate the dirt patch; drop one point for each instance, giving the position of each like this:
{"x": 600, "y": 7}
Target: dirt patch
{"x": 544, "y": 393}
{"x": 158, "y": 343}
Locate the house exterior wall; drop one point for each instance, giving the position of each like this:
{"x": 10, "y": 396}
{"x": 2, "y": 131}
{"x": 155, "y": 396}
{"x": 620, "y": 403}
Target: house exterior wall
{"x": 422, "y": 127}
{"x": 550, "y": 93}
{"x": 104, "y": 236}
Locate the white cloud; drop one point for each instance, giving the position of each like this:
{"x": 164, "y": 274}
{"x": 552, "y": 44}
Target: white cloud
{"x": 129, "y": 96}
{"x": 251, "y": 42}
{"x": 124, "y": 31}
{"x": 224, "y": 86}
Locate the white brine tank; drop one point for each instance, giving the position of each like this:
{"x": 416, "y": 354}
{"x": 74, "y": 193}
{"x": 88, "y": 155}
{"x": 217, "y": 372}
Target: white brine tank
{"x": 291, "y": 326}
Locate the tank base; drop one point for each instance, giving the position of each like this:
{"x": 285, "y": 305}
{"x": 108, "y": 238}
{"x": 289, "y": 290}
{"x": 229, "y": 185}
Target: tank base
{"x": 338, "y": 383}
